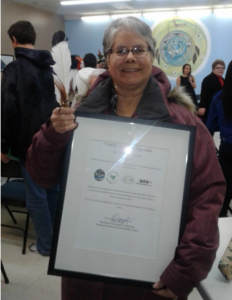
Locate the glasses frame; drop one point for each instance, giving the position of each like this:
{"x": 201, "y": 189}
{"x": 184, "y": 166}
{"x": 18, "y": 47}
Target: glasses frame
{"x": 127, "y": 51}
{"x": 219, "y": 68}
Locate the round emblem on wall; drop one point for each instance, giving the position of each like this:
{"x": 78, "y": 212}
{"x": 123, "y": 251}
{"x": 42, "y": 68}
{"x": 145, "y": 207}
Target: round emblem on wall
{"x": 180, "y": 41}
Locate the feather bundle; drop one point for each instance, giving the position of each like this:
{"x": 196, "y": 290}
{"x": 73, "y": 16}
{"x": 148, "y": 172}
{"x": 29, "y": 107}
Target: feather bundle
{"x": 63, "y": 77}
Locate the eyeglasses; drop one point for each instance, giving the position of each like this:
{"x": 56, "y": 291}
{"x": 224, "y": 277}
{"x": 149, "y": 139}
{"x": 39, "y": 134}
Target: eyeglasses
{"x": 137, "y": 51}
{"x": 220, "y": 68}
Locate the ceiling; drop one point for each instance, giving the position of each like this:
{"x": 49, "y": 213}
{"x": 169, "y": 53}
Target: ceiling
{"x": 116, "y": 7}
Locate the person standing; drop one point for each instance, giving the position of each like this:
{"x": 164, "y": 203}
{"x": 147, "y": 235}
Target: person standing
{"x": 136, "y": 89}
{"x": 28, "y": 100}
{"x": 87, "y": 75}
{"x": 211, "y": 84}
{"x": 220, "y": 119}
{"x": 187, "y": 80}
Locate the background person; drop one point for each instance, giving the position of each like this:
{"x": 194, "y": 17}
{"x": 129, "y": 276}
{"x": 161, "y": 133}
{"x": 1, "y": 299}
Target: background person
{"x": 211, "y": 84}
{"x": 138, "y": 90}
{"x": 87, "y": 75}
{"x": 220, "y": 119}
{"x": 58, "y": 37}
{"x": 27, "y": 102}
{"x": 187, "y": 80}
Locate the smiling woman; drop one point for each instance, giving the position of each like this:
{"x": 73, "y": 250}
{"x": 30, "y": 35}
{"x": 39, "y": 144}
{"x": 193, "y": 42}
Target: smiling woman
{"x": 132, "y": 87}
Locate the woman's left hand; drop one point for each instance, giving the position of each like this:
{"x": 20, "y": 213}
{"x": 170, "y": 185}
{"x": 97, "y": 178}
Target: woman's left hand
{"x": 163, "y": 292}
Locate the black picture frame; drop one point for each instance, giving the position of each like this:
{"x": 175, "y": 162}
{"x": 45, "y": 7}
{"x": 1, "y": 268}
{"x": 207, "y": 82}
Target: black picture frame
{"x": 190, "y": 131}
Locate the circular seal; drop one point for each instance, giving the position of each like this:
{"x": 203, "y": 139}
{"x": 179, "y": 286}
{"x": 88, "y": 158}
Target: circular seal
{"x": 99, "y": 175}
{"x": 112, "y": 177}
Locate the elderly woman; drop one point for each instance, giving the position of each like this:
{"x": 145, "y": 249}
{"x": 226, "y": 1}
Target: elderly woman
{"x": 211, "y": 84}
{"x": 132, "y": 87}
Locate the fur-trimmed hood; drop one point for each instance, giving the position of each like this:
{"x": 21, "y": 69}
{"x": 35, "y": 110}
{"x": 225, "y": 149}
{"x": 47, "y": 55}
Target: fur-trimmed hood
{"x": 152, "y": 104}
{"x": 178, "y": 96}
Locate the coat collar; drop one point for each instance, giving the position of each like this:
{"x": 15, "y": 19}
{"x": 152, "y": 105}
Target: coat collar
{"x": 151, "y": 105}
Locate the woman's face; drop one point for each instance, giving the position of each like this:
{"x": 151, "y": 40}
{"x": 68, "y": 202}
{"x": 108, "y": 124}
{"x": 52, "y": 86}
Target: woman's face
{"x": 219, "y": 70}
{"x": 187, "y": 70}
{"x": 129, "y": 71}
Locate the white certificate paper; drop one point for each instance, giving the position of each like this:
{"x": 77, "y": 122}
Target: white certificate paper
{"x": 123, "y": 200}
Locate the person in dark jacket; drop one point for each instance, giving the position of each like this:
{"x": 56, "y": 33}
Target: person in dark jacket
{"x": 27, "y": 102}
{"x": 211, "y": 84}
{"x": 134, "y": 88}
{"x": 220, "y": 119}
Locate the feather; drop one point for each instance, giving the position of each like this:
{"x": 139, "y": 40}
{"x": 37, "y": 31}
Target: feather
{"x": 64, "y": 89}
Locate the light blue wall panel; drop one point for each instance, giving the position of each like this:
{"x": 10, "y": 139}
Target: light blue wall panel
{"x": 87, "y": 37}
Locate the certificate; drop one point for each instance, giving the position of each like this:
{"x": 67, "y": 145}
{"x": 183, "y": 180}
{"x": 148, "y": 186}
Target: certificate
{"x": 123, "y": 199}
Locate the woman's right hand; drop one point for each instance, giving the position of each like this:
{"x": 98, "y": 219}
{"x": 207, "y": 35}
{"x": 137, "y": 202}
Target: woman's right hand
{"x": 63, "y": 119}
{"x": 201, "y": 111}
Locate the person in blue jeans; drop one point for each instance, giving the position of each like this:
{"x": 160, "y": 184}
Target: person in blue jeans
{"x": 41, "y": 205}
{"x": 27, "y": 101}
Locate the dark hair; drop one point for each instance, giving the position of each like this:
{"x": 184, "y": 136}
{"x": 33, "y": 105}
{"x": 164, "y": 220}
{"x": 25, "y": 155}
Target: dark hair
{"x": 218, "y": 62}
{"x": 58, "y": 37}
{"x": 23, "y": 31}
{"x": 185, "y": 66}
{"x": 90, "y": 60}
{"x": 74, "y": 62}
{"x": 227, "y": 93}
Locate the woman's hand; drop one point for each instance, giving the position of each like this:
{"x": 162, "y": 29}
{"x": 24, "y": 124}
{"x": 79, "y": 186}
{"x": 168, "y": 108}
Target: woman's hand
{"x": 163, "y": 292}
{"x": 201, "y": 111}
{"x": 5, "y": 158}
{"x": 63, "y": 119}
{"x": 192, "y": 81}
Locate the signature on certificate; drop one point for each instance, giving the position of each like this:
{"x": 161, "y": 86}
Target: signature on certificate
{"x": 118, "y": 219}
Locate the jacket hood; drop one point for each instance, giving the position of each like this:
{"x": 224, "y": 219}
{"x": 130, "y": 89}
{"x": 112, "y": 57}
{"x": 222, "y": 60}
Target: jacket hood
{"x": 178, "y": 96}
{"x": 83, "y": 77}
{"x": 40, "y": 58}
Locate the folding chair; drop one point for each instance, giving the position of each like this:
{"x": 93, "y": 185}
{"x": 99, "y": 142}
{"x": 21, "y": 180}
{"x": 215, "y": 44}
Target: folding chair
{"x": 13, "y": 193}
{"x": 4, "y": 274}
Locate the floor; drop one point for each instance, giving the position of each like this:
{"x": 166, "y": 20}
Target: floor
{"x": 28, "y": 273}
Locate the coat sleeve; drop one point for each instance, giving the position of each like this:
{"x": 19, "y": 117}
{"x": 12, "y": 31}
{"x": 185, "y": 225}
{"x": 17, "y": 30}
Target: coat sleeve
{"x": 45, "y": 156}
{"x": 212, "y": 120}
{"x": 9, "y": 109}
{"x": 197, "y": 250}
{"x": 205, "y": 86}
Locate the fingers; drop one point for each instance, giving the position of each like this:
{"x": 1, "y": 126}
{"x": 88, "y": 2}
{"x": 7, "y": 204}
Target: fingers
{"x": 63, "y": 110}
{"x": 4, "y": 158}
{"x": 162, "y": 291}
{"x": 63, "y": 119}
{"x": 158, "y": 285}
{"x": 165, "y": 293}
{"x": 201, "y": 111}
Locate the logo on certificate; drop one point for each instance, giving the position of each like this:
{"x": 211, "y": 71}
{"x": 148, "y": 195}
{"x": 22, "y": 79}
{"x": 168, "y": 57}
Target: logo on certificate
{"x": 144, "y": 182}
{"x": 99, "y": 175}
{"x": 128, "y": 180}
{"x": 112, "y": 177}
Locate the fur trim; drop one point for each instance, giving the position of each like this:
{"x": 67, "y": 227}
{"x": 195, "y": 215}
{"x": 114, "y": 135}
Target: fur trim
{"x": 179, "y": 96}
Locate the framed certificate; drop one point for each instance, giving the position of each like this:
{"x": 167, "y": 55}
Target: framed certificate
{"x": 123, "y": 200}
